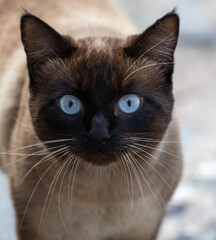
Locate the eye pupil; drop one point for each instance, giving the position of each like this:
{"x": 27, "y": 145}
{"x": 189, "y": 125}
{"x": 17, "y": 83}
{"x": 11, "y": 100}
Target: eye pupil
{"x": 129, "y": 103}
{"x": 70, "y": 104}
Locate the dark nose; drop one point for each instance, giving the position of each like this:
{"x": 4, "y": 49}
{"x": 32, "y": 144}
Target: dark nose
{"x": 99, "y": 131}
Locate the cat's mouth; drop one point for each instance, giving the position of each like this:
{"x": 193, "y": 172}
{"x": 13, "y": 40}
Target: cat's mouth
{"x": 97, "y": 152}
{"x": 100, "y": 159}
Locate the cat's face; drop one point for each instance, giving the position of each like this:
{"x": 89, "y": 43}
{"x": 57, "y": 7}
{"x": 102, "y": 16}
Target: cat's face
{"x": 100, "y": 93}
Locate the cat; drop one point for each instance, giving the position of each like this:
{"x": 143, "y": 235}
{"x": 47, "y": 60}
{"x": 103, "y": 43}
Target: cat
{"x": 89, "y": 137}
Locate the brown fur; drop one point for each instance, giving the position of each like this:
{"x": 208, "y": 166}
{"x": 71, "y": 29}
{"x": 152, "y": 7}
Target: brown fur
{"x": 101, "y": 208}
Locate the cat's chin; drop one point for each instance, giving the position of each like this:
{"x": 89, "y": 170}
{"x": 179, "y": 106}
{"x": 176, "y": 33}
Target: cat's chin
{"x": 100, "y": 159}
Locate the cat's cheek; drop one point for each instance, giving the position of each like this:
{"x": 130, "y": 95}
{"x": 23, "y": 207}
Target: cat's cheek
{"x": 50, "y": 122}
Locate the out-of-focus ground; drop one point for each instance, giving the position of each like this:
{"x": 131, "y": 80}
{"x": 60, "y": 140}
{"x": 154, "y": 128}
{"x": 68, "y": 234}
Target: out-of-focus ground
{"x": 191, "y": 214}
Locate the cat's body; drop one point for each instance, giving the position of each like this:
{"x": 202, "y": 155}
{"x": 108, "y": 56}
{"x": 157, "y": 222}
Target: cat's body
{"x": 95, "y": 204}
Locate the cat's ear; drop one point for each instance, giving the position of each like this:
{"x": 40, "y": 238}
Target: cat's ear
{"x": 158, "y": 41}
{"x": 41, "y": 42}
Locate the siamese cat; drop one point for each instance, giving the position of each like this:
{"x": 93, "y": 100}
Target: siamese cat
{"x": 88, "y": 135}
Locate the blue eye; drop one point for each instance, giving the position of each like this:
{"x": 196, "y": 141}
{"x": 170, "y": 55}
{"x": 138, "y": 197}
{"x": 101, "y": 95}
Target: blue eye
{"x": 129, "y": 103}
{"x": 70, "y": 104}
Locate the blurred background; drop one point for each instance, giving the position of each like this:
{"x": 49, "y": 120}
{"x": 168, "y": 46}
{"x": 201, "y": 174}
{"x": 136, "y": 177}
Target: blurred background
{"x": 191, "y": 214}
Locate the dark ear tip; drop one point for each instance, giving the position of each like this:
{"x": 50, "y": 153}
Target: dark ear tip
{"x": 174, "y": 10}
{"x": 172, "y": 20}
{"x": 25, "y": 16}
{"x": 24, "y": 22}
{"x": 173, "y": 14}
{"x": 28, "y": 15}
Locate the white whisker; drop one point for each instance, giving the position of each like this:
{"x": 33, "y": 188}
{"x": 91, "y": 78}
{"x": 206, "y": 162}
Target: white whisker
{"x": 26, "y": 156}
{"x": 50, "y": 189}
{"x": 23, "y": 125}
{"x": 73, "y": 180}
{"x": 38, "y": 144}
{"x": 34, "y": 191}
{"x": 137, "y": 163}
{"x": 158, "y": 149}
{"x": 153, "y": 169}
{"x": 59, "y": 195}
{"x": 149, "y": 140}
{"x": 146, "y": 66}
{"x": 43, "y": 160}
{"x": 131, "y": 179}
{"x": 156, "y": 161}
{"x": 138, "y": 181}
{"x": 126, "y": 179}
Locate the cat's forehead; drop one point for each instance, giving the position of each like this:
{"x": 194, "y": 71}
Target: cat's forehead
{"x": 100, "y": 71}
{"x": 99, "y": 43}
{"x": 102, "y": 63}
{"x": 98, "y": 64}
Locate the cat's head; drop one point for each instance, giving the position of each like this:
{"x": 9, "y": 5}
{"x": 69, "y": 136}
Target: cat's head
{"x": 101, "y": 94}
